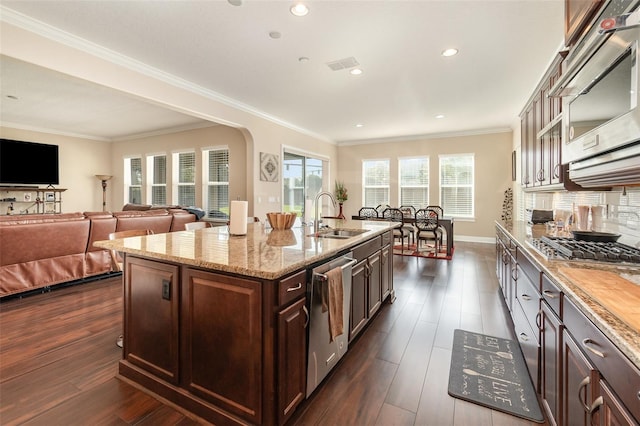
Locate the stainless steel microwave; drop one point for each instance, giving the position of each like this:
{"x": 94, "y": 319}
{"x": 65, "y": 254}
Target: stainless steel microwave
{"x": 600, "y": 93}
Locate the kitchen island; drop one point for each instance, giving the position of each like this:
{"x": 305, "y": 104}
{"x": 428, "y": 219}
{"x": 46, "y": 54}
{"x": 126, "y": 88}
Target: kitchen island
{"x": 216, "y": 323}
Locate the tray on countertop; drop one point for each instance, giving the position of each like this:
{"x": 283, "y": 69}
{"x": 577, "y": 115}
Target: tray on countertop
{"x": 618, "y": 295}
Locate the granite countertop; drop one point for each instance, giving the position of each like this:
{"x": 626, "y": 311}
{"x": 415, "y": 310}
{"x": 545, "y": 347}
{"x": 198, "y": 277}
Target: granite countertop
{"x": 626, "y": 338}
{"x": 262, "y": 253}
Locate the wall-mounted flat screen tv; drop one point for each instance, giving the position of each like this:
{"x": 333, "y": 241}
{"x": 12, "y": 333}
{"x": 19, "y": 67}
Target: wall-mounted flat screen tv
{"x": 28, "y": 163}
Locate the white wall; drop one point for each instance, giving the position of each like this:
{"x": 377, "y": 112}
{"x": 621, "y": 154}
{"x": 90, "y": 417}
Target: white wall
{"x": 79, "y": 161}
{"x": 492, "y": 174}
{"x": 261, "y": 133}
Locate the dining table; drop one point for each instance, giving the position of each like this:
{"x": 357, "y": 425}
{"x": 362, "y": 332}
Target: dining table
{"x": 445, "y": 221}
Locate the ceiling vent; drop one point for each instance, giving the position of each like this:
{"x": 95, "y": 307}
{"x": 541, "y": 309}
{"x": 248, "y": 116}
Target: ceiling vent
{"x": 343, "y": 64}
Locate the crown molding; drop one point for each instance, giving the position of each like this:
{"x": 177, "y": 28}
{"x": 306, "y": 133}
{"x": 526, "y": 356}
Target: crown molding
{"x": 427, "y": 136}
{"x": 45, "y": 30}
{"x": 18, "y": 126}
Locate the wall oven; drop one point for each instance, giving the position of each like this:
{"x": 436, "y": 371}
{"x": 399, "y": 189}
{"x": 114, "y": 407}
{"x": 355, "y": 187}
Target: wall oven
{"x": 600, "y": 98}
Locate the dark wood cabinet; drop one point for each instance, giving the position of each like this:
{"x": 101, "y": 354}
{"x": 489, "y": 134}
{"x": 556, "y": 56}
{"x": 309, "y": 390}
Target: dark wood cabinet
{"x": 551, "y": 363}
{"x": 541, "y": 136}
{"x": 583, "y": 378}
{"x": 230, "y": 349}
{"x": 374, "y": 278}
{"x": 578, "y": 380}
{"x": 291, "y": 358}
{"x": 220, "y": 311}
{"x": 359, "y": 296}
{"x": 371, "y": 281}
{"x": 151, "y": 317}
{"x": 386, "y": 270}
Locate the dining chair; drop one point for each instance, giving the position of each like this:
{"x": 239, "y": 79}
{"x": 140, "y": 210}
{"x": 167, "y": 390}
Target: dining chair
{"x": 427, "y": 226}
{"x": 380, "y": 208}
{"x": 440, "y": 212}
{"x": 191, "y": 226}
{"x": 116, "y": 262}
{"x": 368, "y": 212}
{"x": 395, "y": 215}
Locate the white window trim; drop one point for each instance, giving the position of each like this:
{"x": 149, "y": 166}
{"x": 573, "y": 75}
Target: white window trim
{"x": 175, "y": 172}
{"x": 364, "y": 187}
{"x": 400, "y": 186}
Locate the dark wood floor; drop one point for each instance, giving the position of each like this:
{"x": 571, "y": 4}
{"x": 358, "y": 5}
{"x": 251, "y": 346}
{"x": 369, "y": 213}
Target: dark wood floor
{"x": 58, "y": 357}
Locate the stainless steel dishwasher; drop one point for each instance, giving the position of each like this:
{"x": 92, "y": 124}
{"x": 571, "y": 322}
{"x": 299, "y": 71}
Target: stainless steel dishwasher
{"x": 323, "y": 354}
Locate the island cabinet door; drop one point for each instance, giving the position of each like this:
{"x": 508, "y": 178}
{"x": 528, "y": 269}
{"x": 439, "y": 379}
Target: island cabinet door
{"x": 375, "y": 283}
{"x": 386, "y": 271}
{"x": 292, "y": 358}
{"x": 222, "y": 341}
{"x": 151, "y": 317}
{"x": 358, "y": 299}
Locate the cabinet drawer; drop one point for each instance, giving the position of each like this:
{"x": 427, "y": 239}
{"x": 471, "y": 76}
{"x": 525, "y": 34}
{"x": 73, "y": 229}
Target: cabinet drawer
{"x": 613, "y": 365}
{"x": 529, "y": 268}
{"x": 529, "y": 298}
{"x": 552, "y": 295}
{"x": 292, "y": 287}
{"x": 365, "y": 250}
{"x": 528, "y": 340}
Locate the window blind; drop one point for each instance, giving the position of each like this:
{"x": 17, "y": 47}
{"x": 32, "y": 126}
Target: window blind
{"x": 217, "y": 183}
{"x": 414, "y": 181}
{"x": 186, "y": 187}
{"x": 457, "y": 185}
{"x": 375, "y": 179}
{"x": 159, "y": 179}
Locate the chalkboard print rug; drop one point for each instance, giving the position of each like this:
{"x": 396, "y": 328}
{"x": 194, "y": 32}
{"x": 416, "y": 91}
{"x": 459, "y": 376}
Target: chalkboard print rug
{"x": 491, "y": 371}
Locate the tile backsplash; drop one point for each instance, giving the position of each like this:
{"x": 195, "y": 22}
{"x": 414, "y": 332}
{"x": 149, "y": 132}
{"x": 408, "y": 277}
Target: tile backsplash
{"x": 620, "y": 209}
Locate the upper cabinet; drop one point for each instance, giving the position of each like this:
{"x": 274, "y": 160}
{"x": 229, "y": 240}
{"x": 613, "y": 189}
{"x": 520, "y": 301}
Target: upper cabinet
{"x": 541, "y": 138}
{"x": 577, "y": 14}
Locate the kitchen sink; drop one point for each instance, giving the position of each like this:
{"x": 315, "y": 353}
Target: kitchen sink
{"x": 339, "y": 234}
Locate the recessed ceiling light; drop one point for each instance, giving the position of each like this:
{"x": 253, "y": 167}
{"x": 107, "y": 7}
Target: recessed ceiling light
{"x": 299, "y": 9}
{"x": 440, "y": 116}
{"x": 449, "y": 52}
{"x": 275, "y": 35}
{"x": 303, "y": 59}
{"x": 355, "y": 71}
{"x": 235, "y": 2}
{"x": 15, "y": 98}
{"x": 359, "y": 125}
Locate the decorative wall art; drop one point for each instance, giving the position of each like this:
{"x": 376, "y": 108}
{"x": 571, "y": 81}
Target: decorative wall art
{"x": 269, "y": 167}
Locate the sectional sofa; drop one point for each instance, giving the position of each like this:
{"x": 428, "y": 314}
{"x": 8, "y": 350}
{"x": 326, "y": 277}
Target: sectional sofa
{"x": 38, "y": 251}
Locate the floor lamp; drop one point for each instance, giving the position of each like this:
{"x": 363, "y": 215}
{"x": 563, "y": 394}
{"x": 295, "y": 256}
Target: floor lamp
{"x": 104, "y": 179}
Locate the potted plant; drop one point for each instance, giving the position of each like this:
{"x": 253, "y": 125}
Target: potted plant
{"x": 341, "y": 196}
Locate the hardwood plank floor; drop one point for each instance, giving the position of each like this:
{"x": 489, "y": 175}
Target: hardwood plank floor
{"x": 58, "y": 357}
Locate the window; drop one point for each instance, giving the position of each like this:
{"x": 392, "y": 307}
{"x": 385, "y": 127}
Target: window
{"x": 184, "y": 169}
{"x": 375, "y": 182}
{"x": 157, "y": 173}
{"x": 216, "y": 182}
{"x": 414, "y": 181}
{"x": 302, "y": 179}
{"x": 133, "y": 180}
{"x": 457, "y": 185}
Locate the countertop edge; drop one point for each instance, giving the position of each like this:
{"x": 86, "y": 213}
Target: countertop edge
{"x": 340, "y": 246}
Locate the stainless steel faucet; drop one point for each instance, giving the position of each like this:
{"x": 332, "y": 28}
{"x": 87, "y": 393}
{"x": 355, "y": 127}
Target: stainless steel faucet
{"x": 316, "y": 221}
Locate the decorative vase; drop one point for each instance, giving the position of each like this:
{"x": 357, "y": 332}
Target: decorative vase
{"x": 340, "y": 214}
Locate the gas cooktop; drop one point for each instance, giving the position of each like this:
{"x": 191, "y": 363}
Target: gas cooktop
{"x": 562, "y": 248}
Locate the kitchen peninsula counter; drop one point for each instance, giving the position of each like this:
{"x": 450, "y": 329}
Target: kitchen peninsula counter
{"x": 217, "y": 324}
{"x": 626, "y": 338}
